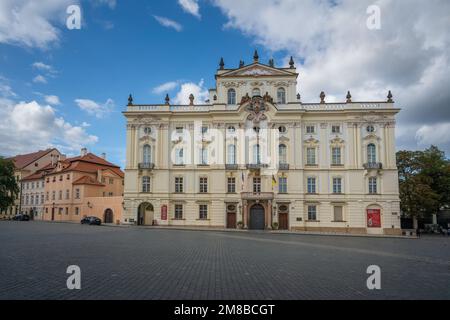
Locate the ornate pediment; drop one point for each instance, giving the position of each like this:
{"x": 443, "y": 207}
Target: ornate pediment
{"x": 337, "y": 141}
{"x": 256, "y": 108}
{"x": 256, "y": 70}
{"x": 311, "y": 141}
{"x": 372, "y": 136}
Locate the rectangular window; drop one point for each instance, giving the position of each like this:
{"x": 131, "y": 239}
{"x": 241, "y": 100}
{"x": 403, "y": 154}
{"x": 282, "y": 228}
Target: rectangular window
{"x": 77, "y": 193}
{"x": 338, "y": 216}
{"x": 103, "y": 180}
{"x": 178, "y": 211}
{"x": 47, "y": 196}
{"x": 67, "y": 211}
{"x": 203, "y": 211}
{"x": 60, "y": 195}
{"x": 110, "y": 194}
{"x": 53, "y": 195}
{"x": 257, "y": 185}
{"x": 60, "y": 178}
{"x": 68, "y": 176}
{"x": 336, "y": 129}
{"x": 282, "y": 184}
{"x": 67, "y": 194}
{"x": 204, "y": 130}
{"x": 337, "y": 185}
{"x": 372, "y": 185}
{"x": 77, "y": 211}
{"x": 311, "y": 185}
{"x": 312, "y": 213}
{"x": 42, "y": 198}
{"x": 310, "y": 156}
{"x": 310, "y": 129}
{"x": 336, "y": 156}
{"x": 231, "y": 185}
{"x": 111, "y": 181}
{"x": 60, "y": 210}
{"x": 178, "y": 184}
{"x": 203, "y": 185}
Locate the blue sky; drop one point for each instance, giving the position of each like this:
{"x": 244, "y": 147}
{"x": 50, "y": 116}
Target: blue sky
{"x": 80, "y": 79}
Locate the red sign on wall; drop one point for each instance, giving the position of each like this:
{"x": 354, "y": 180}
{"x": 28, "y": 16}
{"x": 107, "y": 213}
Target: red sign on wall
{"x": 164, "y": 212}
{"x": 373, "y": 218}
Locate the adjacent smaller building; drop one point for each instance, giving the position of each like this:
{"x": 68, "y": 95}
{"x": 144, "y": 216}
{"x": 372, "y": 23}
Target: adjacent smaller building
{"x": 33, "y": 192}
{"x": 86, "y": 185}
{"x": 25, "y": 166}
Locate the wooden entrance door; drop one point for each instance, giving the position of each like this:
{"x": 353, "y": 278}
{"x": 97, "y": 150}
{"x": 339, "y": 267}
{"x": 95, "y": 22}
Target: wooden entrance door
{"x": 283, "y": 221}
{"x": 257, "y": 219}
{"x": 231, "y": 220}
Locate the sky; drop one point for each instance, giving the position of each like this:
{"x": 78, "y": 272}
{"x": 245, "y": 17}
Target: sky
{"x": 66, "y": 88}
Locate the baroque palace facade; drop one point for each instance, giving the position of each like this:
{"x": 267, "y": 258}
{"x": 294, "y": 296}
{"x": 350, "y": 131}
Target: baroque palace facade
{"x": 255, "y": 156}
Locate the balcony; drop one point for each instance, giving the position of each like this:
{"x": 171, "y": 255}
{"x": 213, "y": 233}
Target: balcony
{"x": 283, "y": 166}
{"x": 373, "y": 165}
{"x": 257, "y": 195}
{"x": 146, "y": 166}
{"x": 256, "y": 166}
{"x": 231, "y": 167}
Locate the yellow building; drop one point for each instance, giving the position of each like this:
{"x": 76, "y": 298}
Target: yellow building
{"x": 26, "y": 165}
{"x": 86, "y": 185}
{"x": 256, "y": 156}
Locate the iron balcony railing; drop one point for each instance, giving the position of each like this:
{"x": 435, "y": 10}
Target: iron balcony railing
{"x": 146, "y": 165}
{"x": 373, "y": 165}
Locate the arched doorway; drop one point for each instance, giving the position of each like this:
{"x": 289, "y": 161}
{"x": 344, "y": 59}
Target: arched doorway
{"x": 257, "y": 219}
{"x": 145, "y": 214}
{"x": 108, "y": 216}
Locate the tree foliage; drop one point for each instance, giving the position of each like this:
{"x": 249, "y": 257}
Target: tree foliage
{"x": 8, "y": 185}
{"x": 424, "y": 181}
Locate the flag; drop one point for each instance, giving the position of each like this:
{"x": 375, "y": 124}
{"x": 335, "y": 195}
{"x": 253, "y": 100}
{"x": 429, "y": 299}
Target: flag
{"x": 274, "y": 181}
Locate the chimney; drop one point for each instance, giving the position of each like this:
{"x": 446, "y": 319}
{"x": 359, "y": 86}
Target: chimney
{"x": 103, "y": 156}
{"x": 83, "y": 152}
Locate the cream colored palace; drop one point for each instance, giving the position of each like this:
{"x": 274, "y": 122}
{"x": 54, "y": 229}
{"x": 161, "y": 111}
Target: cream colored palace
{"x": 254, "y": 156}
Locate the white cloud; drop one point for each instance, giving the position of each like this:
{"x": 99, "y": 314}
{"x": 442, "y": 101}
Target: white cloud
{"x": 437, "y": 134}
{"x": 198, "y": 90}
{"x": 32, "y": 23}
{"x": 29, "y": 126}
{"x": 94, "y": 108}
{"x": 52, "y": 100}
{"x": 166, "y": 22}
{"x": 165, "y": 87}
{"x": 42, "y": 66}
{"x": 39, "y": 79}
{"x": 5, "y": 89}
{"x": 190, "y": 6}
{"x": 409, "y": 55}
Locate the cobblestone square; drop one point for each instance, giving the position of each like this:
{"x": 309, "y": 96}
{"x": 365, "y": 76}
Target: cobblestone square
{"x": 142, "y": 263}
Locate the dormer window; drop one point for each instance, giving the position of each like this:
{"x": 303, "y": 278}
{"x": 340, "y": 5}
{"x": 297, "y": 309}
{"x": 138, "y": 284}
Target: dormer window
{"x": 231, "y": 96}
{"x": 310, "y": 129}
{"x": 370, "y": 129}
{"x": 147, "y": 130}
{"x": 256, "y": 92}
{"x": 281, "y": 96}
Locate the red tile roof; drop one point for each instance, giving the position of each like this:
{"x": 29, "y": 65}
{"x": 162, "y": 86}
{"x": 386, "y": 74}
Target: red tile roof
{"x": 23, "y": 160}
{"x": 40, "y": 173}
{"x": 89, "y": 163}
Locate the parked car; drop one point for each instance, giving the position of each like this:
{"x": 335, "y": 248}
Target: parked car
{"x": 91, "y": 221}
{"x": 21, "y": 217}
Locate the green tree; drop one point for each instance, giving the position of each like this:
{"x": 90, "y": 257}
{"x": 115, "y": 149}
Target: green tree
{"x": 8, "y": 185}
{"x": 424, "y": 181}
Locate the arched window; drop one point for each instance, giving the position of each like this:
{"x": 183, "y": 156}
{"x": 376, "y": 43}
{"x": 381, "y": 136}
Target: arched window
{"x": 371, "y": 153}
{"x": 282, "y": 153}
{"x": 256, "y": 154}
{"x": 179, "y": 156}
{"x": 145, "y": 184}
{"x": 147, "y": 154}
{"x": 281, "y": 96}
{"x": 231, "y": 154}
{"x": 256, "y": 92}
{"x": 231, "y": 96}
